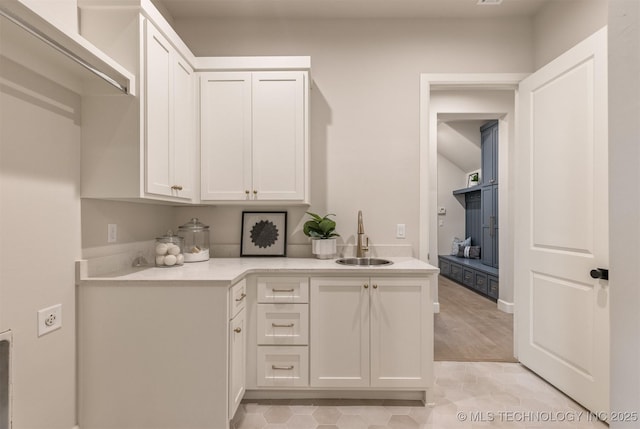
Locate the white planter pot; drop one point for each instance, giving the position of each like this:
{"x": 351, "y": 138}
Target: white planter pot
{"x": 323, "y": 248}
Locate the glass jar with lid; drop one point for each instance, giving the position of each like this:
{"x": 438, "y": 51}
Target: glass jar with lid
{"x": 168, "y": 250}
{"x": 196, "y": 240}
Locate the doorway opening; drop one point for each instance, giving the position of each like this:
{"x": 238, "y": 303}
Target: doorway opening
{"x": 479, "y": 97}
{"x": 469, "y": 326}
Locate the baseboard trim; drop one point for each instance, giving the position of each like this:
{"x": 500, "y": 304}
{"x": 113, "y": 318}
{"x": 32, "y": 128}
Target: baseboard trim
{"x": 417, "y": 395}
{"x": 436, "y": 307}
{"x": 505, "y": 306}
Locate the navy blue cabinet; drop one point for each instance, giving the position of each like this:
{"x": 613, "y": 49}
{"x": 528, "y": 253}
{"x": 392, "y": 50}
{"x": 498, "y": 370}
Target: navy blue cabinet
{"x": 489, "y": 139}
{"x": 481, "y": 224}
{"x": 489, "y": 192}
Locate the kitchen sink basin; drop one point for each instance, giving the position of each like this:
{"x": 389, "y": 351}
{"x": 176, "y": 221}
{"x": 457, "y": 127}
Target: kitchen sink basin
{"x": 363, "y": 262}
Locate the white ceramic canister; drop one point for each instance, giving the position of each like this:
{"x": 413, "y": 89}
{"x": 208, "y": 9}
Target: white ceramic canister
{"x": 168, "y": 251}
{"x": 196, "y": 240}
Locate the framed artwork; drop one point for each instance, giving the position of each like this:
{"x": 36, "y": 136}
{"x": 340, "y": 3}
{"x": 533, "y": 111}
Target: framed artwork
{"x": 263, "y": 234}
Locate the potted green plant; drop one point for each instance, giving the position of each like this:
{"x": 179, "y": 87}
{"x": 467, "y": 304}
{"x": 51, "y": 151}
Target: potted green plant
{"x": 321, "y": 230}
{"x": 473, "y": 179}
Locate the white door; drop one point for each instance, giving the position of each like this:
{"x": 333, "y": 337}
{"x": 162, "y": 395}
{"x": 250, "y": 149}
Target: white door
{"x": 158, "y": 68}
{"x": 401, "y": 332}
{"x": 237, "y": 360}
{"x": 339, "y": 321}
{"x": 183, "y": 135}
{"x": 562, "y": 223}
{"x": 278, "y": 101}
{"x": 225, "y": 124}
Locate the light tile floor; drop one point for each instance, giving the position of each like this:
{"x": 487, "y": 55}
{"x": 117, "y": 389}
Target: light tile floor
{"x": 467, "y": 395}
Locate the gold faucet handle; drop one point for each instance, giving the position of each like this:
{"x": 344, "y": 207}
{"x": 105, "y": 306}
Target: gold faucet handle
{"x": 366, "y": 246}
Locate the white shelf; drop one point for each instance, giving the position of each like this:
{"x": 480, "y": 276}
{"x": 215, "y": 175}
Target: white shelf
{"x": 65, "y": 50}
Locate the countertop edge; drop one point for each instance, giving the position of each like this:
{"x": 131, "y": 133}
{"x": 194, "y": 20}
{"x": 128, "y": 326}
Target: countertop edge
{"x": 228, "y": 273}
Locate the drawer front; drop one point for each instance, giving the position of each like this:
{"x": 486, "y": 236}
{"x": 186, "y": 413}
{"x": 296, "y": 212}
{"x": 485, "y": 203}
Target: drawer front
{"x": 456, "y": 272}
{"x": 283, "y": 366}
{"x": 481, "y": 282}
{"x": 445, "y": 268}
{"x": 468, "y": 277}
{"x": 493, "y": 287}
{"x": 283, "y": 324}
{"x": 283, "y": 289}
{"x": 237, "y": 298}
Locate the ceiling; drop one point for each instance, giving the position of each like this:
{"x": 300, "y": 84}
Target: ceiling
{"x": 185, "y": 9}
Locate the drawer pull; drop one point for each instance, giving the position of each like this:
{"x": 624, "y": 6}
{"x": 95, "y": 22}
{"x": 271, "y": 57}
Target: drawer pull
{"x": 375, "y": 286}
{"x": 282, "y": 290}
{"x": 288, "y": 325}
{"x": 237, "y": 330}
{"x": 242, "y": 296}
{"x": 285, "y": 368}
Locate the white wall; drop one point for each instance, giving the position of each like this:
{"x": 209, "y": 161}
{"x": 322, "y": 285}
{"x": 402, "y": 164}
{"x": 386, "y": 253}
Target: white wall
{"x": 40, "y": 215}
{"x": 624, "y": 194}
{"x": 459, "y": 141}
{"x": 561, "y": 24}
{"x": 450, "y": 177}
{"x": 62, "y": 13}
{"x": 135, "y": 221}
{"x": 365, "y": 100}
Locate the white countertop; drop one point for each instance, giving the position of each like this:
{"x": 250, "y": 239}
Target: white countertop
{"x": 230, "y": 270}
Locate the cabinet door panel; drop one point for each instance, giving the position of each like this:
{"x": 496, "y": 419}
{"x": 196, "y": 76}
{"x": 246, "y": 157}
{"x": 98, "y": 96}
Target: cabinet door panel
{"x": 339, "y": 332}
{"x": 225, "y": 124}
{"x": 278, "y": 135}
{"x": 237, "y": 360}
{"x": 183, "y": 137}
{"x": 401, "y": 333}
{"x": 157, "y": 119}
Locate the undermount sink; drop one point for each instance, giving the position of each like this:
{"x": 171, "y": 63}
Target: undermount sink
{"x": 363, "y": 262}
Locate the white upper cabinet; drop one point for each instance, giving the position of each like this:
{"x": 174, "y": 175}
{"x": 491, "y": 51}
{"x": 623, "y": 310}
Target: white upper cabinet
{"x": 254, "y": 136}
{"x": 169, "y": 118}
{"x": 141, "y": 147}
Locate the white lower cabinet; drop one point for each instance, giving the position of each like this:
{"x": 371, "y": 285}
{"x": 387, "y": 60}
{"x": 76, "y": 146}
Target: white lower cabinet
{"x": 285, "y": 324}
{"x": 370, "y": 332}
{"x": 237, "y": 345}
{"x": 280, "y": 366}
{"x": 282, "y": 331}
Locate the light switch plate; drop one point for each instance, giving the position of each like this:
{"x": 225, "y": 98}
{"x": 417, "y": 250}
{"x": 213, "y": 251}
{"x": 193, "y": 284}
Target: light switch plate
{"x": 401, "y": 230}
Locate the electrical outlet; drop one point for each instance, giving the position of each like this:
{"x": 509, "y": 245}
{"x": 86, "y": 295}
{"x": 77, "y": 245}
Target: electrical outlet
{"x": 112, "y": 233}
{"x": 400, "y": 230}
{"x": 49, "y": 319}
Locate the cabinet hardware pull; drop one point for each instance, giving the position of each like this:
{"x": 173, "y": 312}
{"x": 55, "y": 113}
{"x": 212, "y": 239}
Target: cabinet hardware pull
{"x": 176, "y": 188}
{"x": 492, "y": 221}
{"x": 286, "y": 368}
{"x": 282, "y": 290}
{"x": 366, "y": 286}
{"x": 375, "y": 286}
{"x": 237, "y": 330}
{"x": 288, "y": 325}
{"x": 242, "y": 296}
{"x": 246, "y": 191}
{"x": 255, "y": 192}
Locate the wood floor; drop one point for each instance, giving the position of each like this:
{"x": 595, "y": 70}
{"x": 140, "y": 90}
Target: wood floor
{"x": 470, "y": 328}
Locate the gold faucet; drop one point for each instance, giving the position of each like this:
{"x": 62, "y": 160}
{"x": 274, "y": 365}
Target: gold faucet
{"x": 361, "y": 247}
